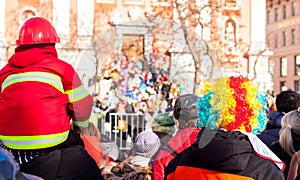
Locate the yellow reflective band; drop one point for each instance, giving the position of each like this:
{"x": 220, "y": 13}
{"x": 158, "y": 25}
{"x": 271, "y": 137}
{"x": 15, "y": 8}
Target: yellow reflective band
{"x": 77, "y": 94}
{"x": 34, "y": 142}
{"x": 82, "y": 124}
{"x": 43, "y": 77}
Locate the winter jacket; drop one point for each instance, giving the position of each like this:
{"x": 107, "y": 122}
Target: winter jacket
{"x": 277, "y": 149}
{"x": 39, "y": 95}
{"x": 228, "y": 155}
{"x": 271, "y": 133}
{"x": 67, "y": 163}
{"x": 181, "y": 140}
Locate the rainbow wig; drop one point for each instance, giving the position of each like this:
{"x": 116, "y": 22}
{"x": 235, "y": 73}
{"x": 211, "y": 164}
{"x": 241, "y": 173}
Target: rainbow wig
{"x": 232, "y": 103}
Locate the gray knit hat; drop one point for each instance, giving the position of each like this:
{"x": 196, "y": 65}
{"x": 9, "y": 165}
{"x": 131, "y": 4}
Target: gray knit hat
{"x": 163, "y": 123}
{"x": 146, "y": 144}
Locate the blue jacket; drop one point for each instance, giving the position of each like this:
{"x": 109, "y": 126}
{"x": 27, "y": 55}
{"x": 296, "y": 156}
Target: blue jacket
{"x": 271, "y": 133}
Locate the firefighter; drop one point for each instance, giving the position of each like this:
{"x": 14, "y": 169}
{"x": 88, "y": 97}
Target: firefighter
{"x": 40, "y": 95}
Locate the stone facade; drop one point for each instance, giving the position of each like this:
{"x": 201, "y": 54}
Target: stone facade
{"x": 283, "y": 38}
{"x": 96, "y": 37}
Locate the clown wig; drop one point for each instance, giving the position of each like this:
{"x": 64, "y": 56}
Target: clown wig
{"x": 232, "y": 103}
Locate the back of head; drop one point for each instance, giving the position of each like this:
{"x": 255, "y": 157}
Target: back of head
{"x": 37, "y": 30}
{"x": 290, "y": 130}
{"x": 185, "y": 110}
{"x": 287, "y": 101}
{"x": 146, "y": 144}
{"x": 163, "y": 123}
{"x": 91, "y": 130}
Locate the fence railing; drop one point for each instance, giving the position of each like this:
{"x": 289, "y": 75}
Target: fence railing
{"x": 122, "y": 127}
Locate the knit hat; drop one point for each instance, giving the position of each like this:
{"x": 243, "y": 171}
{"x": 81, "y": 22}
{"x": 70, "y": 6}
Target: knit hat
{"x": 163, "y": 123}
{"x": 185, "y": 107}
{"x": 146, "y": 144}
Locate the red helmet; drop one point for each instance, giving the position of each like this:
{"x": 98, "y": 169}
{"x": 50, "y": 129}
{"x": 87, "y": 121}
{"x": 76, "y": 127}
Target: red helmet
{"x": 37, "y": 30}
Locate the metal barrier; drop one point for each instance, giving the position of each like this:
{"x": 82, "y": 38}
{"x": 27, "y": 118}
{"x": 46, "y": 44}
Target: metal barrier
{"x": 122, "y": 127}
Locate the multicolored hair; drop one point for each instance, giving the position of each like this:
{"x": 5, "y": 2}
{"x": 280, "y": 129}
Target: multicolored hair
{"x": 232, "y": 103}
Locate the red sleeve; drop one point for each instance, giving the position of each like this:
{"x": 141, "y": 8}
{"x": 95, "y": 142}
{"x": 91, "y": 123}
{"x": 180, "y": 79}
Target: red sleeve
{"x": 81, "y": 101}
{"x": 160, "y": 163}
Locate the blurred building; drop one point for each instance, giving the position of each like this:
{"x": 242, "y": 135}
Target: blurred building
{"x": 95, "y": 33}
{"x": 283, "y": 27}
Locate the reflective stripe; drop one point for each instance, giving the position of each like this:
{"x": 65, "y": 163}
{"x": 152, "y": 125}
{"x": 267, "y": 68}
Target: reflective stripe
{"x": 33, "y": 142}
{"x": 77, "y": 94}
{"x": 44, "y": 77}
{"x": 83, "y": 124}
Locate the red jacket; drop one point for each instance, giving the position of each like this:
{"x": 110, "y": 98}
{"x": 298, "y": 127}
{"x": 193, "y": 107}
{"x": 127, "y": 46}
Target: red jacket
{"x": 39, "y": 96}
{"x": 182, "y": 140}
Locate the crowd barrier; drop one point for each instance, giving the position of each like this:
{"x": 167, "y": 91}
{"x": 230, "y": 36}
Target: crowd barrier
{"x": 122, "y": 127}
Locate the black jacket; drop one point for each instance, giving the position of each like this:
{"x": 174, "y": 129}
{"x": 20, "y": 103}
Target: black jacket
{"x": 227, "y": 152}
{"x": 68, "y": 163}
{"x": 271, "y": 133}
{"x": 276, "y": 148}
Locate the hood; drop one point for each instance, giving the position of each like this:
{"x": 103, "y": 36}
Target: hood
{"x": 274, "y": 119}
{"x": 183, "y": 139}
{"x": 227, "y": 151}
{"x": 29, "y": 55}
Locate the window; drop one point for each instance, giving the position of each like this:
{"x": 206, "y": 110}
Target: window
{"x": 293, "y": 36}
{"x": 27, "y": 13}
{"x": 276, "y": 15}
{"x": 284, "y": 12}
{"x": 230, "y": 3}
{"x": 293, "y": 8}
{"x": 271, "y": 3}
{"x": 297, "y": 65}
{"x": 296, "y": 86}
{"x": 105, "y": 1}
{"x": 160, "y": 2}
{"x": 268, "y": 17}
{"x": 283, "y": 86}
{"x": 283, "y": 38}
{"x": 135, "y": 2}
{"x": 276, "y": 42}
{"x": 283, "y": 66}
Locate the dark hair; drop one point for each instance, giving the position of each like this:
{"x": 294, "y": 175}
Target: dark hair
{"x": 185, "y": 107}
{"x": 287, "y": 101}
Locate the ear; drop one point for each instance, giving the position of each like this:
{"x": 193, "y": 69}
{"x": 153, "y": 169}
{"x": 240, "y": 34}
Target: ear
{"x": 176, "y": 123}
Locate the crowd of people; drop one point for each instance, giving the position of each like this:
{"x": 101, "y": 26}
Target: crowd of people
{"x": 224, "y": 131}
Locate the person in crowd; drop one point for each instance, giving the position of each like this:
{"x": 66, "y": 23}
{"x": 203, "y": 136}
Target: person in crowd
{"x": 111, "y": 151}
{"x": 138, "y": 165}
{"x": 185, "y": 117}
{"x": 163, "y": 126}
{"x": 10, "y": 169}
{"x": 231, "y": 113}
{"x": 289, "y": 138}
{"x": 145, "y": 146}
{"x": 40, "y": 94}
{"x": 294, "y": 167}
{"x": 118, "y": 122}
{"x": 286, "y": 101}
{"x": 91, "y": 140}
